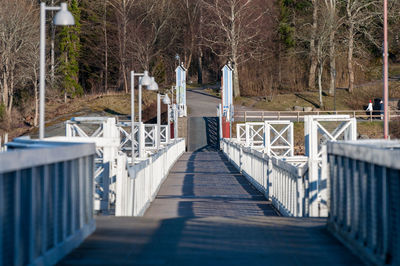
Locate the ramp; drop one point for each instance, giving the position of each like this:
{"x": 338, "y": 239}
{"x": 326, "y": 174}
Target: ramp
{"x": 203, "y": 134}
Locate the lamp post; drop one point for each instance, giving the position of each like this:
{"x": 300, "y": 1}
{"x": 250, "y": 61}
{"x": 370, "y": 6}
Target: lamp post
{"x": 143, "y": 81}
{"x": 385, "y": 72}
{"x": 62, "y": 18}
{"x": 167, "y": 101}
{"x": 151, "y": 85}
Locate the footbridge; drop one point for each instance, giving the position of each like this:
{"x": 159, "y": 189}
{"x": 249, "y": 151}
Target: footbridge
{"x": 88, "y": 198}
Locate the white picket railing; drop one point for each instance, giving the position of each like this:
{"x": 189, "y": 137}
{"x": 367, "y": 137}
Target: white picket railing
{"x": 114, "y": 150}
{"x": 274, "y": 137}
{"x": 283, "y": 181}
{"x": 137, "y": 188}
{"x": 364, "y": 209}
{"x": 46, "y": 200}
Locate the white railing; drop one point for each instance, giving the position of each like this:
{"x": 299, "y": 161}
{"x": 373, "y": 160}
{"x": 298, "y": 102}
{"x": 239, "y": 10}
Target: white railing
{"x": 46, "y": 200}
{"x": 283, "y": 181}
{"x": 164, "y": 134}
{"x": 137, "y": 188}
{"x": 114, "y": 151}
{"x": 364, "y": 189}
{"x": 150, "y": 135}
{"x": 273, "y": 137}
{"x": 254, "y": 116}
{"x": 289, "y": 191}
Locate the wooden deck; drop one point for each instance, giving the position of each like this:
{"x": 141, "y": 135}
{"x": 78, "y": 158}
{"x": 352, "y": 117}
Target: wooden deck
{"x": 206, "y": 213}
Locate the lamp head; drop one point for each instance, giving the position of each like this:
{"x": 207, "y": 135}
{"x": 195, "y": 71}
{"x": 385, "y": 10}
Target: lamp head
{"x": 166, "y": 99}
{"x": 64, "y": 17}
{"x": 153, "y": 86}
{"x": 145, "y": 80}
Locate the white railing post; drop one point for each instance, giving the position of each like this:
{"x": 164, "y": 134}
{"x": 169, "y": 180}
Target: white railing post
{"x": 141, "y": 140}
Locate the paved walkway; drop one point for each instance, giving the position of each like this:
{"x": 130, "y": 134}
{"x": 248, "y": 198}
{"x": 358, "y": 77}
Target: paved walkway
{"x": 206, "y": 213}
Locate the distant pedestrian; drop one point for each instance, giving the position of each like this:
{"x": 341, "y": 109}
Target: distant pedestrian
{"x": 382, "y": 107}
{"x": 370, "y": 108}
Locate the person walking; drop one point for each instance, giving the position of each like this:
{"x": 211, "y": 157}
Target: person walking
{"x": 370, "y": 109}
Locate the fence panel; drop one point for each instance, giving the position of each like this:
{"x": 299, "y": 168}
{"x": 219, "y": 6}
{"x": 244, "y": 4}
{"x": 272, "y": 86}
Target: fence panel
{"x": 364, "y": 189}
{"x": 46, "y": 205}
{"x": 282, "y": 180}
{"x": 136, "y": 190}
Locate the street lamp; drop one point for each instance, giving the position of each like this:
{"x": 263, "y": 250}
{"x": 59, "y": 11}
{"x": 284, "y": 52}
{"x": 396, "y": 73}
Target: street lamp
{"x": 178, "y": 58}
{"x": 62, "y": 18}
{"x": 153, "y": 86}
{"x": 144, "y": 80}
{"x": 167, "y": 101}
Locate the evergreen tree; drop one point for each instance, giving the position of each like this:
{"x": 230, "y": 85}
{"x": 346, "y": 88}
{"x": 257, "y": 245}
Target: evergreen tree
{"x": 69, "y": 54}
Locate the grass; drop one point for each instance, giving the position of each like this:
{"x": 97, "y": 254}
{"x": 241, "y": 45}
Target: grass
{"x": 108, "y": 104}
{"x": 287, "y": 101}
{"x": 344, "y": 100}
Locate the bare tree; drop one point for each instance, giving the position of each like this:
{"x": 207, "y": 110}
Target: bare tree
{"x": 233, "y": 31}
{"x": 191, "y": 28}
{"x": 123, "y": 9}
{"x": 152, "y": 32}
{"x": 18, "y": 30}
{"x": 313, "y": 51}
{"x": 333, "y": 22}
{"x": 359, "y": 20}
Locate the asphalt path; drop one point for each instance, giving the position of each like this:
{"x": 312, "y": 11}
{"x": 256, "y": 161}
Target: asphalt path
{"x": 201, "y": 104}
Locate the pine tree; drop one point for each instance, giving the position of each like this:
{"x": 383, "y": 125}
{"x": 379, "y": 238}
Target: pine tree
{"x": 70, "y": 51}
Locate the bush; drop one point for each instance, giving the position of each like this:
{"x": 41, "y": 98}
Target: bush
{"x": 394, "y": 129}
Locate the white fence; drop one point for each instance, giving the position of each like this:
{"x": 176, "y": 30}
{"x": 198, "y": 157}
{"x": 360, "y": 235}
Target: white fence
{"x": 283, "y": 181}
{"x": 364, "y": 209}
{"x": 274, "y": 137}
{"x": 137, "y": 188}
{"x": 263, "y": 151}
{"x": 114, "y": 150}
{"x": 122, "y": 183}
{"x": 298, "y": 116}
{"x": 46, "y": 200}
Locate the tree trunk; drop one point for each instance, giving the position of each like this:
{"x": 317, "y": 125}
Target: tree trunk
{"x": 36, "y": 117}
{"x": 52, "y": 47}
{"x": 320, "y": 71}
{"x": 332, "y": 62}
{"x": 350, "y": 64}
{"x": 10, "y": 94}
{"x": 5, "y": 88}
{"x": 236, "y": 89}
{"x": 280, "y": 65}
{"x": 105, "y": 48}
{"x": 313, "y": 63}
{"x": 200, "y": 67}
{"x": 350, "y": 58}
{"x": 125, "y": 79}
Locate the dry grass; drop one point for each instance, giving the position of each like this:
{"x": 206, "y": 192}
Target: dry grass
{"x": 108, "y": 104}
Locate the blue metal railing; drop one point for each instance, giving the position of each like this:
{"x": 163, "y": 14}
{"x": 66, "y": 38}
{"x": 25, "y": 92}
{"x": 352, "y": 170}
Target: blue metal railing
{"x": 46, "y": 200}
{"x": 364, "y": 209}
